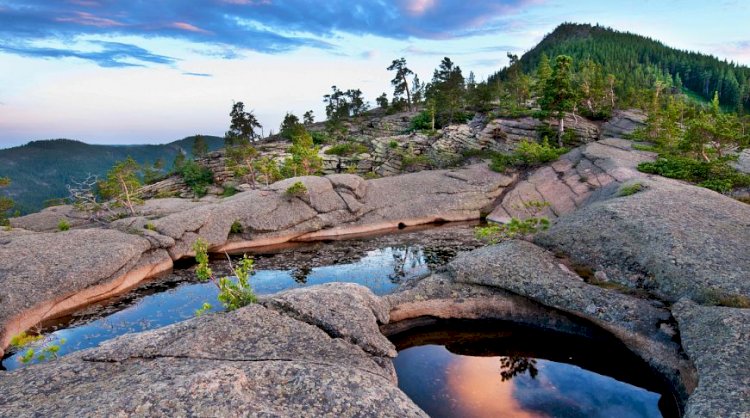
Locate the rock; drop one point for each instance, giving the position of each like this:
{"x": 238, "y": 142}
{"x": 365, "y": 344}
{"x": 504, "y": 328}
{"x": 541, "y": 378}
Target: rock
{"x": 673, "y": 239}
{"x": 342, "y": 310}
{"x": 575, "y": 179}
{"x": 253, "y": 360}
{"x": 716, "y": 339}
{"x": 36, "y": 284}
{"x": 623, "y": 122}
{"x": 47, "y": 220}
{"x": 743, "y": 161}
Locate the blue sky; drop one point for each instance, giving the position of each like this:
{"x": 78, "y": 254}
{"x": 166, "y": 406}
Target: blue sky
{"x": 109, "y": 71}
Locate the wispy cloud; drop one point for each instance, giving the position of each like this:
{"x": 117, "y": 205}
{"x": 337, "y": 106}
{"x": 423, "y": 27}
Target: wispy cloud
{"x": 259, "y": 25}
{"x": 197, "y": 74}
{"x": 111, "y": 54}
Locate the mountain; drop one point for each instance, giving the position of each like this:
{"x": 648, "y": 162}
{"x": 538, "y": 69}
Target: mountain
{"x": 637, "y": 60}
{"x": 40, "y": 170}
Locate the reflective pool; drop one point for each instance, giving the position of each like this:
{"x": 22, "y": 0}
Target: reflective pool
{"x": 496, "y": 369}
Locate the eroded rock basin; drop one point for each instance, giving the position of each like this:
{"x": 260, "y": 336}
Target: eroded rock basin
{"x": 485, "y": 368}
{"x": 379, "y": 262}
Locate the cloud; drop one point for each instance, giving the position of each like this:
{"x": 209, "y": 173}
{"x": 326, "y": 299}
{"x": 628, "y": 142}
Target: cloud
{"x": 111, "y": 54}
{"x": 197, "y": 74}
{"x": 260, "y": 25}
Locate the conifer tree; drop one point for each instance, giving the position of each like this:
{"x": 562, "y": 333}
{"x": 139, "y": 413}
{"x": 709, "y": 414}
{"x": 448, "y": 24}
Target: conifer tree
{"x": 121, "y": 184}
{"x": 200, "y": 147}
{"x": 400, "y": 82}
{"x": 559, "y": 95}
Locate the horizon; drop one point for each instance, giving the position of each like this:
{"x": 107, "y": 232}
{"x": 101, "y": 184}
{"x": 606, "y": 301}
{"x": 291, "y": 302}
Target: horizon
{"x": 110, "y": 74}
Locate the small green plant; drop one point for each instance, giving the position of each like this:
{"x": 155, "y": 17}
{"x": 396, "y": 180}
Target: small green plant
{"x": 47, "y": 352}
{"x": 515, "y": 228}
{"x": 232, "y": 294}
{"x": 229, "y": 191}
{"x": 630, "y": 189}
{"x": 298, "y": 189}
{"x": 393, "y": 144}
{"x": 347, "y": 149}
{"x": 63, "y": 225}
{"x": 531, "y": 153}
{"x": 236, "y": 228}
{"x": 371, "y": 175}
{"x": 23, "y": 339}
{"x": 197, "y": 177}
{"x": 203, "y": 309}
{"x": 150, "y": 226}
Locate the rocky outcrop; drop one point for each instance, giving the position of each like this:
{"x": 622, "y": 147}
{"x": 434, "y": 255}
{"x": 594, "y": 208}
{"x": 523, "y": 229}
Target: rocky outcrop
{"x": 497, "y": 282}
{"x": 574, "y": 180}
{"x": 84, "y": 265}
{"x": 716, "y": 339}
{"x": 672, "y": 239}
{"x": 623, "y": 122}
{"x": 276, "y": 365}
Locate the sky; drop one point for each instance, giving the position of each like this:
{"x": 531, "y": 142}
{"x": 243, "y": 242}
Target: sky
{"x": 154, "y": 71}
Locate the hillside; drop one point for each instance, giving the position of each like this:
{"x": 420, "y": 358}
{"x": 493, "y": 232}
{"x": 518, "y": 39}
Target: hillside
{"x": 40, "y": 170}
{"x": 636, "y": 61}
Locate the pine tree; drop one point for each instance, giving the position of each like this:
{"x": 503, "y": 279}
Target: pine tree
{"x": 308, "y": 118}
{"x": 543, "y": 73}
{"x": 287, "y": 125}
{"x": 447, "y": 91}
{"x": 304, "y": 160}
{"x": 559, "y": 95}
{"x": 400, "y": 82}
{"x": 122, "y": 184}
{"x": 6, "y": 203}
{"x": 242, "y": 127}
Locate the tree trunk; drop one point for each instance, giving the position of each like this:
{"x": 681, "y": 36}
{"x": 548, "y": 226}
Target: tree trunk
{"x": 560, "y": 130}
{"x": 128, "y": 202}
{"x": 408, "y": 93}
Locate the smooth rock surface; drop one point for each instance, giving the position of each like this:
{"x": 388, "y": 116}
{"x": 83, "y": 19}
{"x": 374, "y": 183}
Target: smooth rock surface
{"x": 673, "y": 239}
{"x": 716, "y": 339}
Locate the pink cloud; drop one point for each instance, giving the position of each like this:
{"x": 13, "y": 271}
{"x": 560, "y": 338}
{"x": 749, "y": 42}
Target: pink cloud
{"x": 188, "y": 27}
{"x": 418, "y": 7}
{"x": 89, "y": 19}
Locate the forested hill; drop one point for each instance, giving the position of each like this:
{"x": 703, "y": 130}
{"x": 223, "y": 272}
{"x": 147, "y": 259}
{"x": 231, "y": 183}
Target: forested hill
{"x": 637, "y": 61}
{"x": 40, "y": 170}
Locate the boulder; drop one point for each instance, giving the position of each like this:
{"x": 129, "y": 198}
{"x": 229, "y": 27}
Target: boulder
{"x": 252, "y": 361}
{"x": 623, "y": 122}
{"x": 673, "y": 239}
{"x": 716, "y": 339}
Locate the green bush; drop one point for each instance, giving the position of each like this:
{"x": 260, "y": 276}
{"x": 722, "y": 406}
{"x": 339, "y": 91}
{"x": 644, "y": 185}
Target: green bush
{"x": 347, "y": 149}
{"x": 630, "y": 189}
{"x": 233, "y": 294}
{"x": 236, "y": 228}
{"x": 422, "y": 121}
{"x": 531, "y": 154}
{"x": 150, "y": 226}
{"x": 63, "y": 225}
{"x": 297, "y": 189}
{"x": 197, "y": 177}
{"x": 393, "y": 144}
{"x": 515, "y": 228}
{"x": 229, "y": 191}
{"x": 319, "y": 138}
{"x": 716, "y": 175}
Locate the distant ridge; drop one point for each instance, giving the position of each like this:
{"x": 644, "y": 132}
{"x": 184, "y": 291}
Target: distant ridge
{"x": 634, "y": 59}
{"x": 40, "y": 169}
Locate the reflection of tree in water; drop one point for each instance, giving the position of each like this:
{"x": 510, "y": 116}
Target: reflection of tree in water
{"x": 516, "y": 365}
{"x": 435, "y": 257}
{"x": 300, "y": 274}
{"x": 404, "y": 257}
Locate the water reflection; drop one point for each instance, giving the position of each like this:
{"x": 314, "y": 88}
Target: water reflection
{"x": 492, "y": 369}
{"x": 177, "y": 298}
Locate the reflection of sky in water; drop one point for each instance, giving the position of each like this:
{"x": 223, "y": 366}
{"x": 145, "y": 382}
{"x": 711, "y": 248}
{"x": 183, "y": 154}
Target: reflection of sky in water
{"x": 381, "y": 270}
{"x": 447, "y": 384}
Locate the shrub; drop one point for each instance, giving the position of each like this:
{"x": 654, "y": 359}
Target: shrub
{"x": 47, "y": 352}
{"x": 531, "y": 153}
{"x": 297, "y": 189}
{"x": 630, "y": 189}
{"x": 63, "y": 225}
{"x": 422, "y": 121}
{"x": 229, "y": 191}
{"x": 203, "y": 309}
{"x": 716, "y": 175}
{"x": 347, "y": 149}
{"x": 150, "y": 226}
{"x": 516, "y": 228}
{"x": 236, "y": 228}
{"x": 393, "y": 144}
{"x": 319, "y": 138}
{"x": 23, "y": 339}
{"x": 233, "y": 294}
{"x": 197, "y": 177}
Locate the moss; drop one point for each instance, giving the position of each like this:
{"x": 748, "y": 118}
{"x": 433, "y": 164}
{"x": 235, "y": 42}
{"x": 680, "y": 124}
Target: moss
{"x": 630, "y": 189}
{"x": 236, "y": 228}
{"x": 150, "y": 226}
{"x": 63, "y": 225}
{"x": 721, "y": 298}
{"x": 347, "y": 149}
